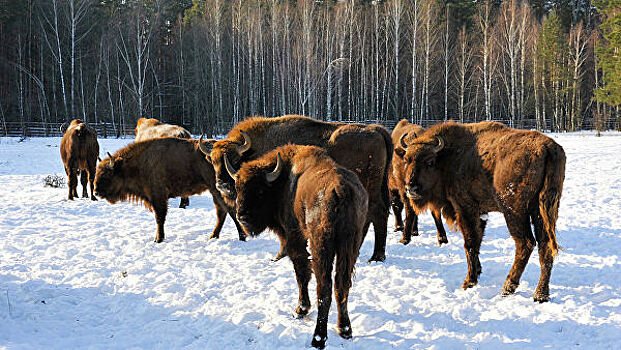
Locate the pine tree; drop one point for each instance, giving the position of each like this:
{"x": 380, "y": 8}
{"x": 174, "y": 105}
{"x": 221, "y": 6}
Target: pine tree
{"x": 609, "y": 53}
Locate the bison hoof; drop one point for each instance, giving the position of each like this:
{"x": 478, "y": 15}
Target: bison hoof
{"x": 398, "y": 228}
{"x": 468, "y": 284}
{"x": 279, "y": 256}
{"x": 319, "y": 342}
{"x": 378, "y": 257}
{"x": 442, "y": 240}
{"x": 541, "y": 296}
{"x": 242, "y": 238}
{"x": 214, "y": 236}
{"x": 93, "y": 198}
{"x": 159, "y": 239}
{"x": 344, "y": 332}
{"x": 405, "y": 241}
{"x": 509, "y": 288}
{"x": 301, "y": 311}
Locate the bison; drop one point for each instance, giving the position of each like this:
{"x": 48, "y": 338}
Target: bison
{"x": 153, "y": 128}
{"x": 154, "y": 170}
{"x": 79, "y": 151}
{"x": 470, "y": 170}
{"x": 396, "y": 183}
{"x": 301, "y": 194}
{"x": 364, "y": 149}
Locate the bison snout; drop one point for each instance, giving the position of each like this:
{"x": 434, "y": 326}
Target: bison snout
{"x": 225, "y": 188}
{"x": 413, "y": 192}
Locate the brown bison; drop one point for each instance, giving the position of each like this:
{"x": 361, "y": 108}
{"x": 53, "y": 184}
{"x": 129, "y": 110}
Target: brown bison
{"x": 470, "y": 170}
{"x": 154, "y": 170}
{"x": 153, "y": 128}
{"x": 364, "y": 149}
{"x": 301, "y": 194}
{"x": 79, "y": 151}
{"x": 396, "y": 183}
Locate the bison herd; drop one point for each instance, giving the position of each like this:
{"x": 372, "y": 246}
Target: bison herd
{"x": 320, "y": 185}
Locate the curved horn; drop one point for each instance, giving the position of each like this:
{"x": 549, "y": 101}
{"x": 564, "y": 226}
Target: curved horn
{"x": 271, "y": 177}
{"x": 229, "y": 168}
{"x": 202, "y": 147}
{"x": 111, "y": 159}
{"x": 63, "y": 126}
{"x": 402, "y": 140}
{"x": 440, "y": 145}
{"x": 247, "y": 143}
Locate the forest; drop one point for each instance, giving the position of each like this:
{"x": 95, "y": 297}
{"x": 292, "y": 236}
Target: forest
{"x": 207, "y": 64}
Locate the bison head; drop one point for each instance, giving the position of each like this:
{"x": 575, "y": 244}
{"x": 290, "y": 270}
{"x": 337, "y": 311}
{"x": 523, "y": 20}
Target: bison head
{"x": 108, "y": 179}
{"x": 256, "y": 185}
{"x": 421, "y": 173}
{"x": 223, "y": 151}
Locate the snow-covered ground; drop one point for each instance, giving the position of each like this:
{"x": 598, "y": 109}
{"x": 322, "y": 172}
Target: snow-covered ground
{"x": 82, "y": 274}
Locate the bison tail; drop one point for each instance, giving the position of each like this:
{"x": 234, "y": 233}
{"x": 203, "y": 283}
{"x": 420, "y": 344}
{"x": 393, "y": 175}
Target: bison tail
{"x": 348, "y": 218}
{"x": 550, "y": 194}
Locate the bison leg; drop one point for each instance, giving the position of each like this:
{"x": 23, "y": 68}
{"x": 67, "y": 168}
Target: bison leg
{"x": 546, "y": 260}
{"x": 411, "y": 225}
{"x": 91, "y": 178}
{"x": 221, "y": 212}
{"x": 299, "y": 257}
{"x": 282, "y": 252}
{"x": 473, "y": 235}
{"x": 184, "y": 202}
{"x": 323, "y": 259}
{"x": 437, "y": 218}
{"x": 397, "y": 207}
{"x": 160, "y": 207}
{"x": 379, "y": 218}
{"x": 345, "y": 262}
{"x": 73, "y": 183}
{"x": 519, "y": 228}
{"x": 84, "y": 182}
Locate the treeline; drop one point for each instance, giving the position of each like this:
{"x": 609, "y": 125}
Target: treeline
{"x": 206, "y": 64}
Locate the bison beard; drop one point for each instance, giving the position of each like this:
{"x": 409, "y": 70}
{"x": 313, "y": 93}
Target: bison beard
{"x": 79, "y": 151}
{"x": 311, "y": 201}
{"x": 470, "y": 170}
{"x": 396, "y": 183}
{"x": 157, "y": 169}
{"x": 366, "y": 150}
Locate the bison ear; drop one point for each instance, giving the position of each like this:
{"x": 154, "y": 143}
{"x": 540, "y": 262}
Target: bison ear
{"x": 400, "y": 152}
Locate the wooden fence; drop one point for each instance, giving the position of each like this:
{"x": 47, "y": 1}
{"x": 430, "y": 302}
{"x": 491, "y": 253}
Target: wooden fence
{"x": 105, "y": 130}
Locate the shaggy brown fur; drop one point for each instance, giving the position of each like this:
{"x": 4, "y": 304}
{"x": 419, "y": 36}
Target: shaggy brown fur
{"x": 314, "y": 201}
{"x": 153, "y": 128}
{"x": 79, "y": 150}
{"x": 396, "y": 184}
{"x": 471, "y": 170}
{"x": 364, "y": 149}
{"x": 154, "y": 170}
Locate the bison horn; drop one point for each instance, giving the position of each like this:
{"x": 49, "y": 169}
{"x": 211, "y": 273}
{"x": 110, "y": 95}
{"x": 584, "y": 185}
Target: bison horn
{"x": 440, "y": 145}
{"x": 229, "y": 168}
{"x": 402, "y": 140}
{"x": 63, "y": 127}
{"x": 247, "y": 143}
{"x": 203, "y": 148}
{"x": 111, "y": 159}
{"x": 271, "y": 177}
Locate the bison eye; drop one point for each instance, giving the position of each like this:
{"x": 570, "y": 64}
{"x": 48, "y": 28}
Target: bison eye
{"x": 430, "y": 163}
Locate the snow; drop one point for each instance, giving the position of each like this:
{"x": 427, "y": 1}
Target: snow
{"x": 83, "y": 274}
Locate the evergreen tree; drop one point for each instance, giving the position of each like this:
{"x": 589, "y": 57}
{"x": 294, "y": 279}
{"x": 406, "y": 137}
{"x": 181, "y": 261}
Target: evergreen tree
{"x": 609, "y": 53}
